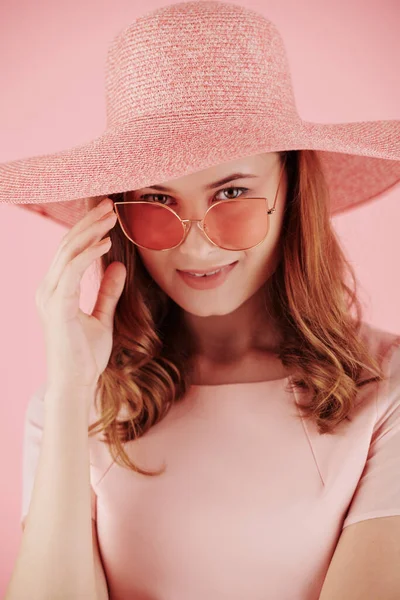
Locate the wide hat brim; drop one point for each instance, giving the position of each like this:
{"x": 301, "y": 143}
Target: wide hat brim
{"x": 360, "y": 160}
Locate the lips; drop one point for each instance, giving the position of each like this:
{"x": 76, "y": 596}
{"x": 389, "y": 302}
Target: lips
{"x": 207, "y": 282}
{"x": 204, "y": 272}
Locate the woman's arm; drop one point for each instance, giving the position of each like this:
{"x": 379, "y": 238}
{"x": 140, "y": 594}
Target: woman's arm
{"x": 56, "y": 558}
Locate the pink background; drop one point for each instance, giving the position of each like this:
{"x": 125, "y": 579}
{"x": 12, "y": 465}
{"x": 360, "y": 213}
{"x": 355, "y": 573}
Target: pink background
{"x": 344, "y": 63}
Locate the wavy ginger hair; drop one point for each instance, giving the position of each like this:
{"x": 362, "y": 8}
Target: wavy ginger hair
{"x": 151, "y": 360}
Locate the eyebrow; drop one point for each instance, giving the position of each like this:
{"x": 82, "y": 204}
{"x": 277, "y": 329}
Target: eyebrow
{"x": 209, "y": 186}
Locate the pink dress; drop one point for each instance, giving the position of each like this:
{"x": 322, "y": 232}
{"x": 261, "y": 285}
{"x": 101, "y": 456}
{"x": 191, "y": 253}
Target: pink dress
{"x": 253, "y": 500}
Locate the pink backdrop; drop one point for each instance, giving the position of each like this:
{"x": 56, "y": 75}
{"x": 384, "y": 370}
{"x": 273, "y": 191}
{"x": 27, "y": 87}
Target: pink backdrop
{"x": 344, "y": 61}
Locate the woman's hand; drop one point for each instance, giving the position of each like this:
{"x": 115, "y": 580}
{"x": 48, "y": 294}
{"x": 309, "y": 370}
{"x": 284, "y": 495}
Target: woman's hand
{"x": 78, "y": 345}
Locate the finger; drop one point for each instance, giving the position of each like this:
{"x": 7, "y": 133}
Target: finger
{"x": 90, "y": 217}
{"x": 67, "y": 294}
{"x": 110, "y": 291}
{"x": 96, "y": 212}
{"x": 67, "y": 252}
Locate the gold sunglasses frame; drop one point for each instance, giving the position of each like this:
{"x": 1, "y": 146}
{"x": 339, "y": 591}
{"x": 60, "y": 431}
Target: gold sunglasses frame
{"x": 187, "y": 223}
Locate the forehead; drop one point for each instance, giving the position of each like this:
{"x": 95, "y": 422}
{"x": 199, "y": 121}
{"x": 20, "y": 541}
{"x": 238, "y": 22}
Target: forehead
{"x": 258, "y": 164}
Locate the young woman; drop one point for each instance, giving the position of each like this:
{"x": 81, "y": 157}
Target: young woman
{"x": 244, "y": 420}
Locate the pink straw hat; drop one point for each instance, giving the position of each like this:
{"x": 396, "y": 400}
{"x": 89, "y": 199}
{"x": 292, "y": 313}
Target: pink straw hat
{"x": 189, "y": 86}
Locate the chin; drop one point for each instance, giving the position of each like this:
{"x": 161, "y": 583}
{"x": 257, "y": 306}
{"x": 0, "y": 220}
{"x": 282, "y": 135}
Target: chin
{"x": 201, "y": 308}
{"x": 201, "y": 312}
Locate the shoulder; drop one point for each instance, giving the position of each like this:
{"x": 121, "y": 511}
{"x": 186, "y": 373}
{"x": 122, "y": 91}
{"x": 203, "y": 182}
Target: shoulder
{"x": 380, "y": 342}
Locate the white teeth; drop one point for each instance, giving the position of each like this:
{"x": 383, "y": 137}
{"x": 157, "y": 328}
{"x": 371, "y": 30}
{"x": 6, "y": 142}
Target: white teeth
{"x": 205, "y": 275}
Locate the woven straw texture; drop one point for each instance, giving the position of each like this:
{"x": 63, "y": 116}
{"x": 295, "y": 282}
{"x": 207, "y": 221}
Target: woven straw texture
{"x": 188, "y": 86}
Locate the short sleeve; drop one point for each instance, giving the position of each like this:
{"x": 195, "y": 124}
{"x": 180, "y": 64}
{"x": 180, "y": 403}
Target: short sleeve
{"x": 33, "y": 429}
{"x": 378, "y": 490}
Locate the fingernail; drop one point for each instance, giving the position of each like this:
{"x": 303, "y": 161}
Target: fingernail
{"x": 104, "y": 202}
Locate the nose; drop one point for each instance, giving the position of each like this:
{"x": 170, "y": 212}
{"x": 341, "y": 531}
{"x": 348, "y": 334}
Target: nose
{"x": 196, "y": 243}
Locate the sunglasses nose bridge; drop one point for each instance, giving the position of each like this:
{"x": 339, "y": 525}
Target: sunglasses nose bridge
{"x": 187, "y": 223}
{"x": 199, "y": 223}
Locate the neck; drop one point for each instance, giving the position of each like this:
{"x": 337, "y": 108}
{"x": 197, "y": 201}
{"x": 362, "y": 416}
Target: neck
{"x": 230, "y": 338}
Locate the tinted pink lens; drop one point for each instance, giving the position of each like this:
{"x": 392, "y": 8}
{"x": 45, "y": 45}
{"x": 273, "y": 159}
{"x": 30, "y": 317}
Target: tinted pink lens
{"x": 238, "y": 224}
{"x": 150, "y": 225}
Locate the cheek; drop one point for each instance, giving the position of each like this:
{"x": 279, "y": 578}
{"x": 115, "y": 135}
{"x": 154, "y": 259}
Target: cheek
{"x": 263, "y": 260}
{"x": 156, "y": 264}
{"x": 263, "y": 263}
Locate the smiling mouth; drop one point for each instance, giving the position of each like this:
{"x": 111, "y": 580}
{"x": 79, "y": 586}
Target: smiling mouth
{"x": 206, "y": 273}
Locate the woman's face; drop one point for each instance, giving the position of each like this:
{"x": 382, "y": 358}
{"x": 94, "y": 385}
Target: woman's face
{"x": 189, "y": 198}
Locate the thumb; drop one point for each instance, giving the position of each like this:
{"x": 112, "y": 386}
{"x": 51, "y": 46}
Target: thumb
{"x": 109, "y": 293}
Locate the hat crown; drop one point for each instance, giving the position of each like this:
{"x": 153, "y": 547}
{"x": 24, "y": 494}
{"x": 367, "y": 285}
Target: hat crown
{"x": 198, "y": 57}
